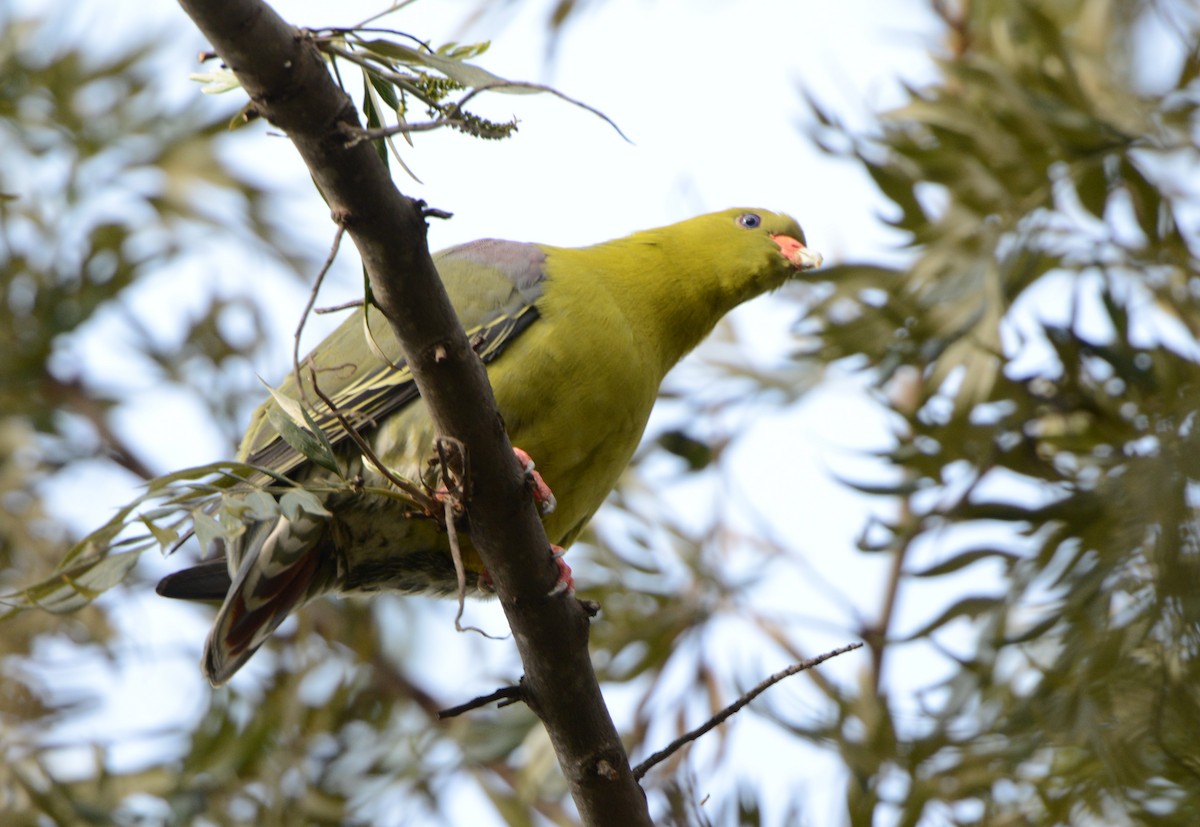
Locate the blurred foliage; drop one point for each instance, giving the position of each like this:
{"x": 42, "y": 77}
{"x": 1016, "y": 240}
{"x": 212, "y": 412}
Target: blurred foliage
{"x": 1038, "y": 359}
{"x": 107, "y": 187}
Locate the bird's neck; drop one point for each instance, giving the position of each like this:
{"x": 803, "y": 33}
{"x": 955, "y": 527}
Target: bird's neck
{"x": 670, "y": 297}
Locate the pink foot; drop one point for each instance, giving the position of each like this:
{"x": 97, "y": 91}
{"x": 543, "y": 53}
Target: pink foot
{"x": 542, "y": 495}
{"x": 566, "y": 581}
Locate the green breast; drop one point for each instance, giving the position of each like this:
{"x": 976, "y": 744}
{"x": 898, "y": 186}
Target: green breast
{"x": 575, "y": 391}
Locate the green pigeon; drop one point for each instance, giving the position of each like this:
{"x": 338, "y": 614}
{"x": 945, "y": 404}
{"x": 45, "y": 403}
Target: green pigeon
{"x": 576, "y": 343}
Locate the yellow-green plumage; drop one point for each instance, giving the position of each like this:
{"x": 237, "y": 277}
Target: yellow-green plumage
{"x": 579, "y": 342}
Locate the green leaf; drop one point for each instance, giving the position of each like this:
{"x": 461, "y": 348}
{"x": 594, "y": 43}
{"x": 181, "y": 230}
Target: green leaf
{"x": 258, "y": 505}
{"x": 463, "y": 51}
{"x": 207, "y": 529}
{"x": 898, "y": 188}
{"x": 1091, "y": 185}
{"x": 298, "y": 501}
{"x": 73, "y": 588}
{"x": 900, "y": 488}
{"x": 471, "y": 76}
{"x": 963, "y": 559}
{"x": 165, "y": 537}
{"x": 379, "y": 91}
{"x": 298, "y": 430}
{"x": 696, "y": 453}
{"x": 467, "y": 74}
{"x": 369, "y": 335}
{"x": 1146, "y": 198}
{"x": 967, "y": 607}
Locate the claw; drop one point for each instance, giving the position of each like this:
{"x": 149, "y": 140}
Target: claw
{"x": 542, "y": 495}
{"x": 566, "y": 581}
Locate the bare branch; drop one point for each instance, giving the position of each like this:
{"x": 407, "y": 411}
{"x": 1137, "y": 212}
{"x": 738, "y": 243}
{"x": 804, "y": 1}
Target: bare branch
{"x": 337, "y": 307}
{"x": 308, "y": 308}
{"x": 505, "y": 694}
{"x": 357, "y": 136}
{"x": 641, "y": 769}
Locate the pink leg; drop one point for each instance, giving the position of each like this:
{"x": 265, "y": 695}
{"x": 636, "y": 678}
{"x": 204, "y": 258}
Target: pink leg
{"x": 542, "y": 495}
{"x": 566, "y": 581}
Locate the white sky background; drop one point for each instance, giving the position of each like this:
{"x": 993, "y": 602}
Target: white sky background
{"x": 709, "y": 93}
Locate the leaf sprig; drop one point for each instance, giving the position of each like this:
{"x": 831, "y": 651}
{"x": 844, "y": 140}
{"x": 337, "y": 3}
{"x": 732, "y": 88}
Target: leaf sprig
{"x": 400, "y": 77}
{"x": 214, "y": 502}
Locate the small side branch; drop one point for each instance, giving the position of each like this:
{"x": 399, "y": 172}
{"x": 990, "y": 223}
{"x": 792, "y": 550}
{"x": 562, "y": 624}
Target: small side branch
{"x": 339, "y": 307}
{"x": 312, "y": 300}
{"x": 641, "y": 769}
{"x": 505, "y": 694}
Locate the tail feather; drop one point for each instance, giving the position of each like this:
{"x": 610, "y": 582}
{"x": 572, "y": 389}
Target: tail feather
{"x": 208, "y": 581}
{"x": 279, "y": 571}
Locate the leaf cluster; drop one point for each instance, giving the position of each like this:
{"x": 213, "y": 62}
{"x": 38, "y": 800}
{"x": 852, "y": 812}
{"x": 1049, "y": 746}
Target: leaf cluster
{"x": 1039, "y": 358}
{"x": 399, "y": 76}
{"x": 109, "y": 188}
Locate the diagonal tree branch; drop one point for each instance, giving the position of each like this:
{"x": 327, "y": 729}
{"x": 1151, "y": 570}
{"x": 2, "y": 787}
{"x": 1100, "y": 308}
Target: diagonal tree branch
{"x": 290, "y": 85}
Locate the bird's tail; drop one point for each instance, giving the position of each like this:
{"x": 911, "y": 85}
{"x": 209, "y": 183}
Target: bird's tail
{"x": 281, "y": 566}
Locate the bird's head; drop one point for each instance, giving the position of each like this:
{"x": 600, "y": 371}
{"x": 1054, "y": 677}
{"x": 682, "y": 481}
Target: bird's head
{"x": 749, "y": 251}
{"x": 782, "y": 229}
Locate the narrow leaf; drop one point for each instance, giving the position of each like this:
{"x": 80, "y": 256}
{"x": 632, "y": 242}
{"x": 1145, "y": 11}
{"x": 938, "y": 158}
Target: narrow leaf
{"x": 74, "y": 588}
{"x": 968, "y": 607}
{"x": 298, "y": 430}
{"x": 299, "y": 501}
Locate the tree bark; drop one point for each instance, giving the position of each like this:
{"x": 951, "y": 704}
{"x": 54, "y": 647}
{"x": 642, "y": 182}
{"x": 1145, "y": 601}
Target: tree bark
{"x": 290, "y": 85}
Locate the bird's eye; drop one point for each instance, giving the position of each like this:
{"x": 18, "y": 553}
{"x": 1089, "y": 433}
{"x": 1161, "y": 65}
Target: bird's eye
{"x": 749, "y": 220}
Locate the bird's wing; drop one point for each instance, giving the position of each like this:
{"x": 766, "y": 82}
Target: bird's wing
{"x": 494, "y": 286}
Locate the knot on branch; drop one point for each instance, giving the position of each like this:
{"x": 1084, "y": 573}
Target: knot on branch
{"x": 431, "y": 212}
{"x": 606, "y": 770}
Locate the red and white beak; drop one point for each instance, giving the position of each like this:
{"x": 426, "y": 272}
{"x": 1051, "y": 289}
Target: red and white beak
{"x": 800, "y": 256}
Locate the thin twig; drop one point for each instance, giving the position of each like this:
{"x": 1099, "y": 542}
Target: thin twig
{"x": 452, "y": 502}
{"x": 312, "y": 300}
{"x": 71, "y": 395}
{"x": 363, "y": 27}
{"x": 357, "y": 135}
{"x": 374, "y": 65}
{"x": 460, "y": 571}
{"x": 505, "y": 694}
{"x": 418, "y": 496}
{"x": 320, "y": 311}
{"x": 673, "y": 747}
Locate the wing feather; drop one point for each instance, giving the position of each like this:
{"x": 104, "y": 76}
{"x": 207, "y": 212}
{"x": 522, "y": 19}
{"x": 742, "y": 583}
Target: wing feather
{"x": 494, "y": 286}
